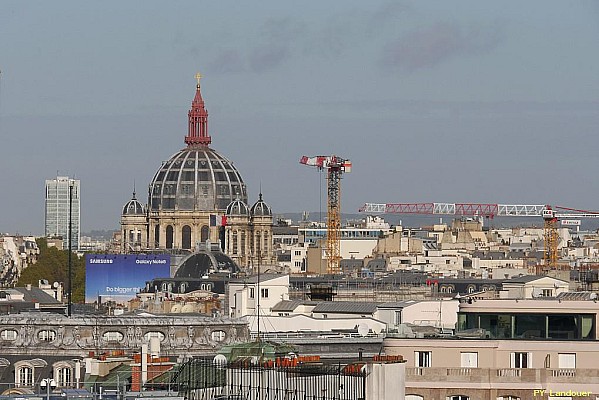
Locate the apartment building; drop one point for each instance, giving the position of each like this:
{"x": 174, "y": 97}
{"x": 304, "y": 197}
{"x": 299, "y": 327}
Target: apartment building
{"x": 508, "y": 349}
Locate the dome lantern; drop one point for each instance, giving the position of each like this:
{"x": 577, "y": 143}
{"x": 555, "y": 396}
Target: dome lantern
{"x": 197, "y": 130}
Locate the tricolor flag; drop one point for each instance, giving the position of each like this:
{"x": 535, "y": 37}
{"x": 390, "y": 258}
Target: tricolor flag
{"x": 218, "y": 220}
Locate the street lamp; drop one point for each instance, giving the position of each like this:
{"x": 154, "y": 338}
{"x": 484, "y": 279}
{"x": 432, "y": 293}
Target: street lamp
{"x": 48, "y": 385}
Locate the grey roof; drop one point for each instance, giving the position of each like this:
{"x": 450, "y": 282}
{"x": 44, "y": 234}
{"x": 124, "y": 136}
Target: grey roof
{"x": 291, "y": 305}
{"x": 36, "y": 295}
{"x": 285, "y": 230}
{"x": 345, "y": 307}
{"x": 529, "y": 278}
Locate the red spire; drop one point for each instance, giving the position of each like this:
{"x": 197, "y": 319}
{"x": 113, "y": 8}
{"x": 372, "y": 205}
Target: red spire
{"x": 197, "y": 131}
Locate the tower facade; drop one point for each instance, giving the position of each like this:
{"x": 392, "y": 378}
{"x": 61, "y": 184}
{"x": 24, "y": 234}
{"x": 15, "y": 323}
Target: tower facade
{"x": 62, "y": 199}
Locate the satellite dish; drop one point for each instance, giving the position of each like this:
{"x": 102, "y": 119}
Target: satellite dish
{"x": 55, "y": 285}
{"x": 363, "y": 330}
{"x": 219, "y": 360}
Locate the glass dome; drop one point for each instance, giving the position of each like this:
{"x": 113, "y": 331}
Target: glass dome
{"x": 238, "y": 207}
{"x": 261, "y": 209}
{"x": 196, "y": 179}
{"x": 133, "y": 207}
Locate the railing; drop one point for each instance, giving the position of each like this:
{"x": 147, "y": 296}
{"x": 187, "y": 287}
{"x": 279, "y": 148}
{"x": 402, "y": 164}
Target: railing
{"x": 570, "y": 373}
{"x": 459, "y": 371}
{"x": 511, "y": 372}
{"x": 502, "y": 375}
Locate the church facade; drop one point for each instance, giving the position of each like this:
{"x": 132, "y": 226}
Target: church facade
{"x": 199, "y": 196}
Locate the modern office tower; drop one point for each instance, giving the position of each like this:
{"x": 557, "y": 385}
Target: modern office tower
{"x": 57, "y": 210}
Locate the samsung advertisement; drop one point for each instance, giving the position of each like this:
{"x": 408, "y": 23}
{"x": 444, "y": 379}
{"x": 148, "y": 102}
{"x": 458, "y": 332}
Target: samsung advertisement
{"x": 119, "y": 277}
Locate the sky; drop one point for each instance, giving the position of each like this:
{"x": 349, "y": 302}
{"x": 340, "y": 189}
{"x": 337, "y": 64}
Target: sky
{"x": 432, "y": 101}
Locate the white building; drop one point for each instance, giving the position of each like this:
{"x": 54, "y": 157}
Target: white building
{"x": 253, "y": 295}
{"x": 62, "y": 200}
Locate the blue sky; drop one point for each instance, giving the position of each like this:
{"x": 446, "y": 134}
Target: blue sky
{"x": 462, "y": 101}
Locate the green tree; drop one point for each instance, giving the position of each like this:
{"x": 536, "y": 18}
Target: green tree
{"x": 53, "y": 265}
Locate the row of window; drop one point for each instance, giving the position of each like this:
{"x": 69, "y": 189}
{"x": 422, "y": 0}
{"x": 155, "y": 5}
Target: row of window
{"x": 25, "y": 375}
{"x": 530, "y": 326}
{"x": 424, "y": 359}
{"x": 263, "y": 293}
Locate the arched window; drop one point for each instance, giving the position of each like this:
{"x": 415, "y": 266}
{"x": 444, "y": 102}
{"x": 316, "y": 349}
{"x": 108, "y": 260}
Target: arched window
{"x": 186, "y": 237}
{"x": 157, "y": 236}
{"x": 169, "y": 237}
{"x": 24, "y": 376}
{"x": 243, "y": 251}
{"x": 204, "y": 233}
{"x": 234, "y": 243}
{"x": 63, "y": 376}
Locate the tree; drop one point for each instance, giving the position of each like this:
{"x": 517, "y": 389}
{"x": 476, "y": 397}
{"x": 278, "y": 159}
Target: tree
{"x": 53, "y": 265}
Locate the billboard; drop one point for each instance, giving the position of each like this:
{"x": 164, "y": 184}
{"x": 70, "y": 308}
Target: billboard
{"x": 119, "y": 277}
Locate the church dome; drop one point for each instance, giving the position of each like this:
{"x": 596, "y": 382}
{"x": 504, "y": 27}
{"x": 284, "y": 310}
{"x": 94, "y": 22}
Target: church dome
{"x": 133, "y": 207}
{"x": 261, "y": 209}
{"x": 238, "y": 207}
{"x": 196, "y": 178}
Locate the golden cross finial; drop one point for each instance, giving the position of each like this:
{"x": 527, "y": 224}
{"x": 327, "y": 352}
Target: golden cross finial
{"x": 198, "y": 77}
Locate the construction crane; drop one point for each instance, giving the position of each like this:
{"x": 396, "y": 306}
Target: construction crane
{"x": 548, "y": 213}
{"x": 335, "y": 167}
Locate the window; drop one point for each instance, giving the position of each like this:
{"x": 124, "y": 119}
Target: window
{"x": 264, "y": 293}
{"x": 508, "y": 398}
{"x": 566, "y": 360}
{"x": 46, "y": 335}
{"x": 413, "y": 397}
{"x": 24, "y": 376}
{"x": 469, "y": 360}
{"x": 112, "y": 336}
{"x": 397, "y": 317}
{"x": 154, "y": 334}
{"x": 458, "y": 397}
{"x": 547, "y": 293}
{"x": 63, "y": 376}
{"x": 252, "y": 294}
{"x": 423, "y": 359}
{"x": 218, "y": 336}
{"x": 521, "y": 360}
{"x": 8, "y": 334}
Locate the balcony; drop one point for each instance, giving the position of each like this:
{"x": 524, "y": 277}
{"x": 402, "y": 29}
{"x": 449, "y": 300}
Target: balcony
{"x": 521, "y": 377}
